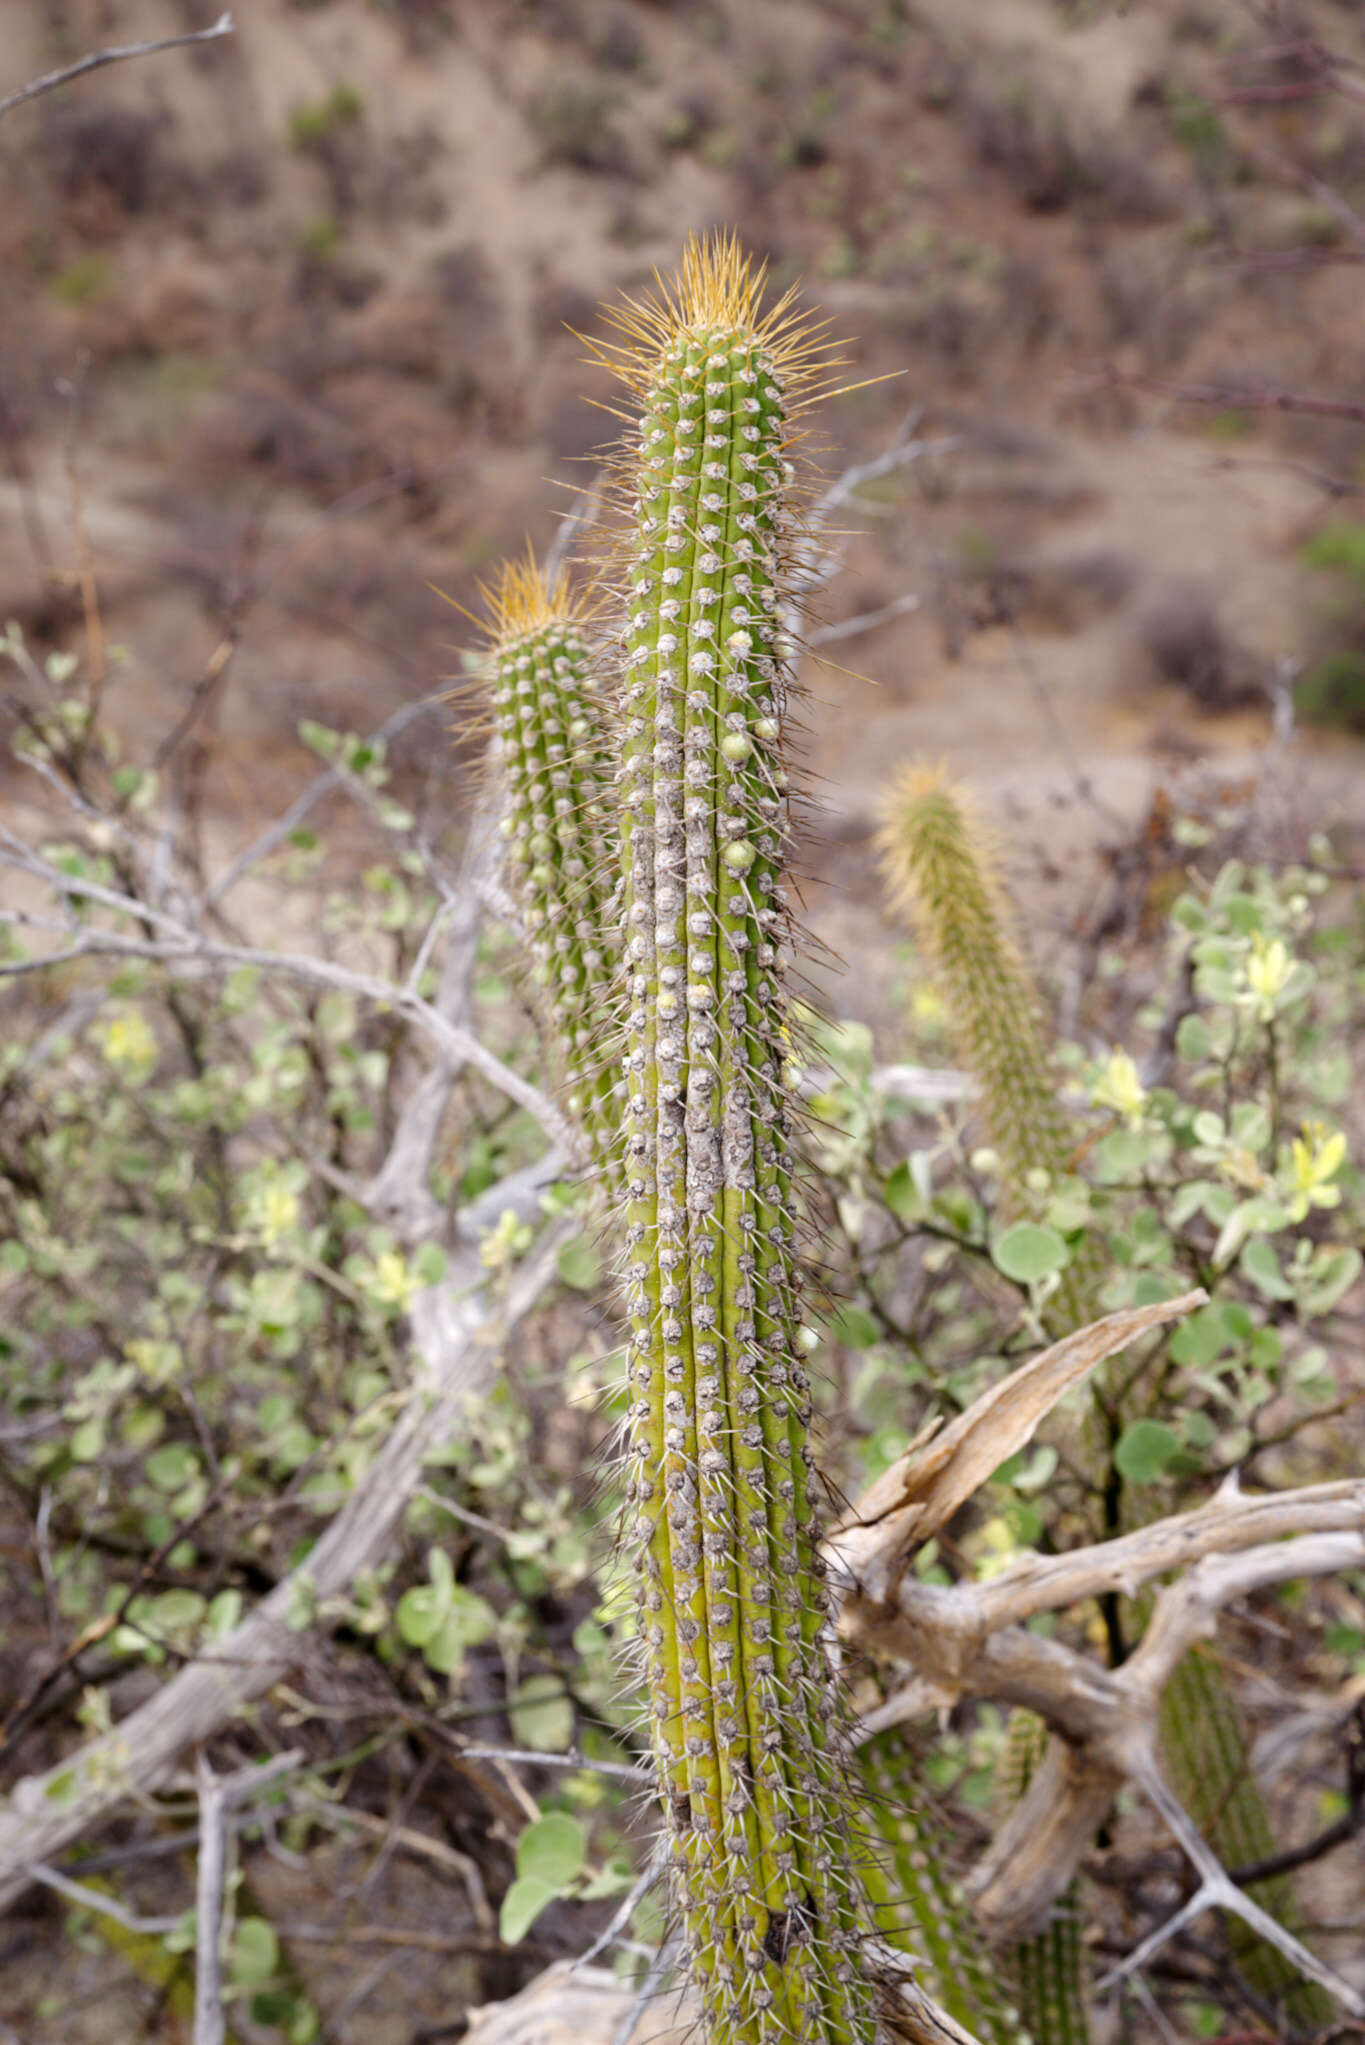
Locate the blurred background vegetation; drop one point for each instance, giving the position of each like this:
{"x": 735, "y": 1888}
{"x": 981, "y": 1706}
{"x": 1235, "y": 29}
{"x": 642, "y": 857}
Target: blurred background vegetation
{"x": 287, "y": 343}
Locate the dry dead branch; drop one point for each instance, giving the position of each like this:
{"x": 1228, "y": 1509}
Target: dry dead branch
{"x": 970, "y": 1640}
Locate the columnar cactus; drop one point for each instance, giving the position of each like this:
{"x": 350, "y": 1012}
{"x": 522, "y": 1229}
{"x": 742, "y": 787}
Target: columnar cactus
{"x": 1206, "y": 1753}
{"x": 557, "y": 760}
{"x": 919, "y": 1907}
{"x": 1049, "y": 1968}
{"x": 940, "y": 867}
{"x": 732, "y": 1615}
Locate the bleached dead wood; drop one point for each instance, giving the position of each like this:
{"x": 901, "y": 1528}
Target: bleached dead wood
{"x": 971, "y": 1640}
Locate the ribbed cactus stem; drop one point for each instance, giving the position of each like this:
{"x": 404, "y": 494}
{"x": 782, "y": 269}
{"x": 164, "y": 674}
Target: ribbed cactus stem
{"x": 559, "y": 774}
{"x": 1205, "y": 1751}
{"x": 919, "y": 1907}
{"x": 732, "y": 1609}
{"x": 941, "y": 867}
{"x": 1049, "y": 1968}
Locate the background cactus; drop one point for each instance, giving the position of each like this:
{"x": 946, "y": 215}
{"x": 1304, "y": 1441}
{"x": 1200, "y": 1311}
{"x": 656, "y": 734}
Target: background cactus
{"x": 919, "y": 1906}
{"x": 1205, "y": 1751}
{"x": 941, "y": 868}
{"x": 556, "y": 757}
{"x": 731, "y": 1606}
{"x": 1049, "y": 1969}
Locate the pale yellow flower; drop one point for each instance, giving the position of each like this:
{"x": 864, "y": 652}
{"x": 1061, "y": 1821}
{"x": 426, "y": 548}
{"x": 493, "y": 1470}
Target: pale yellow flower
{"x": 129, "y": 1040}
{"x": 1267, "y": 969}
{"x": 1315, "y": 1158}
{"x": 1120, "y": 1087}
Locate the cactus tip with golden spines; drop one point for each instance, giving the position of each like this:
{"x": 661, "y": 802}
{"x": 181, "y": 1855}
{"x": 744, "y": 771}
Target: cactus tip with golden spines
{"x": 557, "y": 763}
{"x": 731, "y": 1606}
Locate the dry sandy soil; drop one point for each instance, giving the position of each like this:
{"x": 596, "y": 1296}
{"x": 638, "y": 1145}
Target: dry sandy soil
{"x": 314, "y": 285}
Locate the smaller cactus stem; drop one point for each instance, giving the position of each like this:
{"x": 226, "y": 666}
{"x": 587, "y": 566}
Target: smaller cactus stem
{"x": 1049, "y": 1968}
{"x": 941, "y": 868}
{"x": 554, "y": 747}
{"x": 1205, "y": 1751}
{"x": 919, "y": 1908}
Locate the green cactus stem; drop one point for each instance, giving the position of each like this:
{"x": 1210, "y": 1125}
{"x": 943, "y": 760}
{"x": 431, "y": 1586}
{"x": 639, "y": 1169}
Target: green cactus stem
{"x": 559, "y": 774}
{"x": 1049, "y": 1968}
{"x": 732, "y": 1613}
{"x": 941, "y": 867}
{"x": 918, "y": 1906}
{"x": 1206, "y": 1753}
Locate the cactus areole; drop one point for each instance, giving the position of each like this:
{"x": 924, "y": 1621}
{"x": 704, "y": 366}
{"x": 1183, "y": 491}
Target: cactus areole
{"x": 731, "y": 1612}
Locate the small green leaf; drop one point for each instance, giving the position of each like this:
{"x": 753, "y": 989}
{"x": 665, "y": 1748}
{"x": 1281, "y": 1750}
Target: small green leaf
{"x": 1144, "y": 1450}
{"x": 142, "y": 1426}
{"x": 1027, "y": 1252}
{"x": 255, "y": 1951}
{"x": 901, "y": 1193}
{"x": 1261, "y": 1264}
{"x": 224, "y": 1613}
{"x": 541, "y": 1715}
{"x": 1208, "y": 1128}
{"x": 855, "y": 1327}
{"x": 1192, "y": 1039}
{"x": 429, "y": 1263}
{"x": 618, "y": 1874}
{"x": 1201, "y": 1338}
{"x": 579, "y": 1264}
{"x": 552, "y": 1851}
{"x": 172, "y": 1466}
{"x": 1121, "y": 1155}
{"x": 420, "y": 1612}
{"x": 1331, "y": 1275}
{"x": 1189, "y": 1200}
{"x": 174, "y": 1611}
{"x": 86, "y": 1442}
{"x": 521, "y": 1906}
{"x": 465, "y": 1617}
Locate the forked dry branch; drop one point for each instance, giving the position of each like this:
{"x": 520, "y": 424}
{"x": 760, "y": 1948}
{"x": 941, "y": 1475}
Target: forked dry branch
{"x": 971, "y": 1640}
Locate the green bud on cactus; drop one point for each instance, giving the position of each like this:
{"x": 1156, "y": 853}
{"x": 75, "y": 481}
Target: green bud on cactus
{"x": 732, "y": 1616}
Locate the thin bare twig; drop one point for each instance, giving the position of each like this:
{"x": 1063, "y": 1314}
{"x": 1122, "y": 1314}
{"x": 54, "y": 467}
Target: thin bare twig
{"x": 1251, "y": 397}
{"x": 620, "y": 1917}
{"x": 117, "y": 53}
{"x": 1217, "y": 1891}
{"x": 864, "y": 621}
{"x": 219, "y": 1795}
{"x": 92, "y": 1899}
{"x": 179, "y": 943}
{"x": 533, "y": 1757}
{"x": 274, "y": 835}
